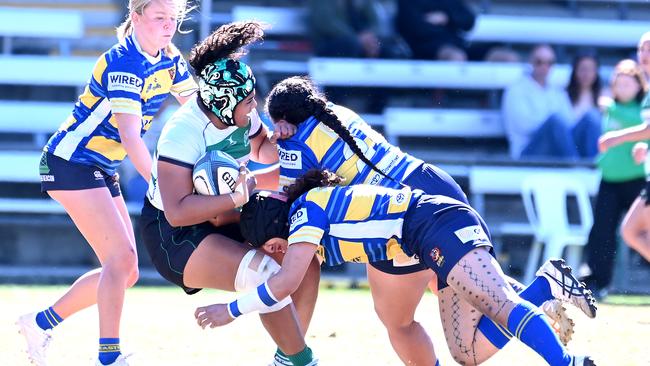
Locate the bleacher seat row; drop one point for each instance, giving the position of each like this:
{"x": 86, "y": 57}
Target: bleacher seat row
{"x": 488, "y": 28}
{"x": 60, "y": 26}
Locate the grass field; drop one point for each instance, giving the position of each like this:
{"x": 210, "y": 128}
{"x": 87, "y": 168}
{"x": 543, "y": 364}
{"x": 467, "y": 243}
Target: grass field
{"x": 159, "y": 328}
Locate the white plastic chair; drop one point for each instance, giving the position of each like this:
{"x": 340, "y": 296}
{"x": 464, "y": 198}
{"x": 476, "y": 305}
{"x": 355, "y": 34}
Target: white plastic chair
{"x": 545, "y": 200}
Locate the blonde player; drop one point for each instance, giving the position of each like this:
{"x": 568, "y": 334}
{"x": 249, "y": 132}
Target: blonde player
{"x": 125, "y": 90}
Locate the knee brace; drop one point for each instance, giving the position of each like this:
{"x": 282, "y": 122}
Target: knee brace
{"x": 248, "y": 278}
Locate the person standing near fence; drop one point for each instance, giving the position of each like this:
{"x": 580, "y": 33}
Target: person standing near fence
{"x": 636, "y": 222}
{"x": 127, "y": 87}
{"x": 622, "y": 178}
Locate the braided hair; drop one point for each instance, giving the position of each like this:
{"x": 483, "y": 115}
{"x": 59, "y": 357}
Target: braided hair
{"x": 225, "y": 42}
{"x": 295, "y": 99}
{"x": 313, "y": 178}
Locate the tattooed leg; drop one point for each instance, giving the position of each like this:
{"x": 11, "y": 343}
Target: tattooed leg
{"x": 478, "y": 279}
{"x": 459, "y": 321}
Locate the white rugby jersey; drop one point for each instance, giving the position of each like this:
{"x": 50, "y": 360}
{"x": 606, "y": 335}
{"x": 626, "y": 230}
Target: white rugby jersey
{"x": 189, "y": 133}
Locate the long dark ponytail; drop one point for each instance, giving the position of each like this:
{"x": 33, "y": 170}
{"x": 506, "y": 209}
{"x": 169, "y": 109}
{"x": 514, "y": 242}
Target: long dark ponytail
{"x": 296, "y": 98}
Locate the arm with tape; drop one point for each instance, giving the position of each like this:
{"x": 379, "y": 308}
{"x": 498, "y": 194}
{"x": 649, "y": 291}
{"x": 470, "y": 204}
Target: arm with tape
{"x": 271, "y": 295}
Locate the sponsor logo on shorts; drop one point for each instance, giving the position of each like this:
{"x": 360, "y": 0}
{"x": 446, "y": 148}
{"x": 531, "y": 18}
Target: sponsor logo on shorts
{"x": 124, "y": 81}
{"x": 471, "y": 234}
{"x": 98, "y": 175}
{"x": 437, "y": 257}
{"x": 402, "y": 260}
{"x": 290, "y": 159}
{"x": 47, "y": 178}
{"x": 300, "y": 217}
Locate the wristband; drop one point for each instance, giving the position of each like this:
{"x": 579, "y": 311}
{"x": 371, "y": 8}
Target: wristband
{"x": 261, "y": 299}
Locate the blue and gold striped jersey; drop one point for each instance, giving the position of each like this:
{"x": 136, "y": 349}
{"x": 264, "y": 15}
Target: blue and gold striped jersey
{"x": 124, "y": 80}
{"x": 359, "y": 223}
{"x": 316, "y": 146}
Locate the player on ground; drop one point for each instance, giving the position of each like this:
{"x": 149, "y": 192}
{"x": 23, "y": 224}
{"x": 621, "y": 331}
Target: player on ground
{"x": 127, "y": 87}
{"x": 333, "y": 137}
{"x": 447, "y": 235}
{"x": 193, "y": 240}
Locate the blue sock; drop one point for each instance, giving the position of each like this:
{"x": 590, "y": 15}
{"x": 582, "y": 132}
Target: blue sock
{"x": 496, "y": 334}
{"x": 48, "y": 319}
{"x": 537, "y": 292}
{"x": 109, "y": 350}
{"x": 437, "y": 363}
{"x": 527, "y": 323}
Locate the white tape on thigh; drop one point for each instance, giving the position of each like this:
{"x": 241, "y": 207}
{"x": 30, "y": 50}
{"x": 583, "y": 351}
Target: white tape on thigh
{"x": 241, "y": 278}
{"x": 249, "y": 278}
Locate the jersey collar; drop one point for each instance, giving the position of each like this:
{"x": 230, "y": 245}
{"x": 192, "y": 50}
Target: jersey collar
{"x": 151, "y": 59}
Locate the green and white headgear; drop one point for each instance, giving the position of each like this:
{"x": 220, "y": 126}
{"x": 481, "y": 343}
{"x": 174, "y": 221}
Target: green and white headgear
{"x": 223, "y": 84}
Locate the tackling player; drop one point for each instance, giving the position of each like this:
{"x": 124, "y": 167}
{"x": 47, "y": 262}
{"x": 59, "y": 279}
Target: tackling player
{"x": 362, "y": 223}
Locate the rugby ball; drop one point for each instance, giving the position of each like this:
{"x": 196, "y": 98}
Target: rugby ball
{"x": 215, "y": 173}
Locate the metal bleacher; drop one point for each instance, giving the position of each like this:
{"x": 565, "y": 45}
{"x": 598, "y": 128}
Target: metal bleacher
{"x": 59, "y": 26}
{"x": 62, "y": 67}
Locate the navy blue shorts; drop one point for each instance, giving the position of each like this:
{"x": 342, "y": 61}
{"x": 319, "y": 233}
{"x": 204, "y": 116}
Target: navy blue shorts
{"x": 58, "y": 174}
{"x": 432, "y": 180}
{"x": 171, "y": 247}
{"x": 435, "y": 181}
{"x": 441, "y": 231}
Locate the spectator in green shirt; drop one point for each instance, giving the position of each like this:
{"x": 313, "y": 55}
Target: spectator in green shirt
{"x": 622, "y": 177}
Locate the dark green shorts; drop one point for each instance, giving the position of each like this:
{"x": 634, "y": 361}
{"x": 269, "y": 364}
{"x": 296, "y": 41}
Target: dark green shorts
{"x": 171, "y": 247}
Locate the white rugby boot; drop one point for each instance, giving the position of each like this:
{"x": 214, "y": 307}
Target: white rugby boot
{"x": 560, "y": 321}
{"x": 37, "y": 339}
{"x": 566, "y": 287}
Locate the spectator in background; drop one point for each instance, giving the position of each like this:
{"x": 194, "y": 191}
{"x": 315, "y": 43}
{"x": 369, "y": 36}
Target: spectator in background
{"x": 539, "y": 119}
{"x": 622, "y": 177}
{"x": 643, "y": 54}
{"x": 585, "y": 88}
{"x": 434, "y": 29}
{"x": 353, "y": 28}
